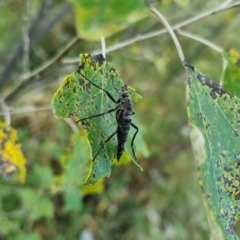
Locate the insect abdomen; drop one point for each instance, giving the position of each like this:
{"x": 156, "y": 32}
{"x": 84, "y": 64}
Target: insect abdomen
{"x": 124, "y": 120}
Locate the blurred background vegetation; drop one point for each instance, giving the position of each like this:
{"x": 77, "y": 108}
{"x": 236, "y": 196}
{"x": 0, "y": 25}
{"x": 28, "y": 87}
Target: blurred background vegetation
{"x": 162, "y": 202}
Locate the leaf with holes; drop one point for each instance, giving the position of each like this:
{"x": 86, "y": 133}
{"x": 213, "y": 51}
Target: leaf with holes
{"x": 214, "y": 117}
{"x": 11, "y": 156}
{"x": 79, "y": 97}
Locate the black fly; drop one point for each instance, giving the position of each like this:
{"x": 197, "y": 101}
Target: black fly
{"x": 124, "y": 112}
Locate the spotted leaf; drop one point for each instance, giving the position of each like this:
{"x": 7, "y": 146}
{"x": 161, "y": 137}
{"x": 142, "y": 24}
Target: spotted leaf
{"x": 214, "y": 118}
{"x": 79, "y": 97}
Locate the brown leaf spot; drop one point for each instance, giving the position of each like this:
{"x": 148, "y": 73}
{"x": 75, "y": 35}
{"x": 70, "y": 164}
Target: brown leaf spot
{"x": 236, "y": 133}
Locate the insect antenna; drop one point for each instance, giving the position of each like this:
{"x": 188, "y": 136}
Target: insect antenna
{"x": 115, "y": 88}
{"x": 123, "y": 88}
{"x": 108, "y": 93}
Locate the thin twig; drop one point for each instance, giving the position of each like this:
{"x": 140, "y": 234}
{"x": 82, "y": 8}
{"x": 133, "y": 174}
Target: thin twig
{"x": 209, "y": 44}
{"x": 31, "y": 77}
{"x": 26, "y": 40}
{"x": 103, "y": 44}
{"x": 224, "y": 68}
{"x": 227, "y": 2}
{"x": 31, "y": 109}
{"x": 25, "y": 110}
{"x": 45, "y": 10}
{"x": 172, "y": 34}
{"x": 143, "y": 37}
{"x": 72, "y": 124}
{"x": 6, "y": 113}
{"x": 41, "y": 69}
{"x": 201, "y": 39}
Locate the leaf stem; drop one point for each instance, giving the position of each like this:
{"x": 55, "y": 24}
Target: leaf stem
{"x": 209, "y": 44}
{"x": 201, "y": 39}
{"x": 172, "y": 34}
{"x": 72, "y": 124}
{"x": 103, "y": 44}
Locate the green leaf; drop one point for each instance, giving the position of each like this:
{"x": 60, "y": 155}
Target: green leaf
{"x": 43, "y": 207}
{"x": 231, "y": 79}
{"x": 38, "y": 205}
{"x": 215, "y": 130}
{"x": 73, "y": 201}
{"x": 28, "y": 236}
{"x": 75, "y": 164}
{"x": 45, "y": 175}
{"x": 106, "y": 17}
{"x": 183, "y": 3}
{"x": 215, "y": 134}
{"x": 76, "y": 161}
{"x": 7, "y": 225}
{"x": 78, "y": 97}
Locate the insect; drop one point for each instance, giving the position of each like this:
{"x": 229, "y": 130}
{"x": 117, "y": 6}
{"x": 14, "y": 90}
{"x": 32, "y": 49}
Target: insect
{"x": 124, "y": 112}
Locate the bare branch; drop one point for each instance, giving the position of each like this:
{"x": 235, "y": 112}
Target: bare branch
{"x": 209, "y": 44}
{"x": 227, "y": 2}
{"x": 172, "y": 34}
{"x": 24, "y": 110}
{"x": 11, "y": 66}
{"x": 103, "y": 43}
{"x": 31, "y": 77}
{"x": 72, "y": 124}
{"x": 216, "y": 10}
{"x": 201, "y": 39}
{"x": 6, "y": 114}
{"x": 26, "y": 40}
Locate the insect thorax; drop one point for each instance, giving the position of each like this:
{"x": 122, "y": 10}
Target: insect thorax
{"x": 125, "y": 101}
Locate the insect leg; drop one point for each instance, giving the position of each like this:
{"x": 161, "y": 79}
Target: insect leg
{"x": 100, "y": 114}
{"x": 135, "y": 134}
{"x": 102, "y": 145}
{"x": 108, "y": 93}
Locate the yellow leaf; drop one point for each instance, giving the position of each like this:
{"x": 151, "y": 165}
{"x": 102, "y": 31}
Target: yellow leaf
{"x": 11, "y": 156}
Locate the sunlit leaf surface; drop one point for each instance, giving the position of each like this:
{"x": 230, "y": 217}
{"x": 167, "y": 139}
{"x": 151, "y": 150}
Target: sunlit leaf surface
{"x": 214, "y": 117}
{"x": 106, "y": 17}
{"x": 79, "y": 97}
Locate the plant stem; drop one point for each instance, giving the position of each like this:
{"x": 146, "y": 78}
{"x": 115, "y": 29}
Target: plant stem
{"x": 172, "y": 34}
{"x": 103, "y": 44}
{"x": 24, "y": 110}
{"x": 201, "y": 39}
{"x": 26, "y": 39}
{"x": 209, "y": 44}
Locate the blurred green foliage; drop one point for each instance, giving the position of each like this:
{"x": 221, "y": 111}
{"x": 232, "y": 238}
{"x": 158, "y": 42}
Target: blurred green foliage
{"x": 232, "y": 72}
{"x": 164, "y": 201}
{"x": 104, "y": 18}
